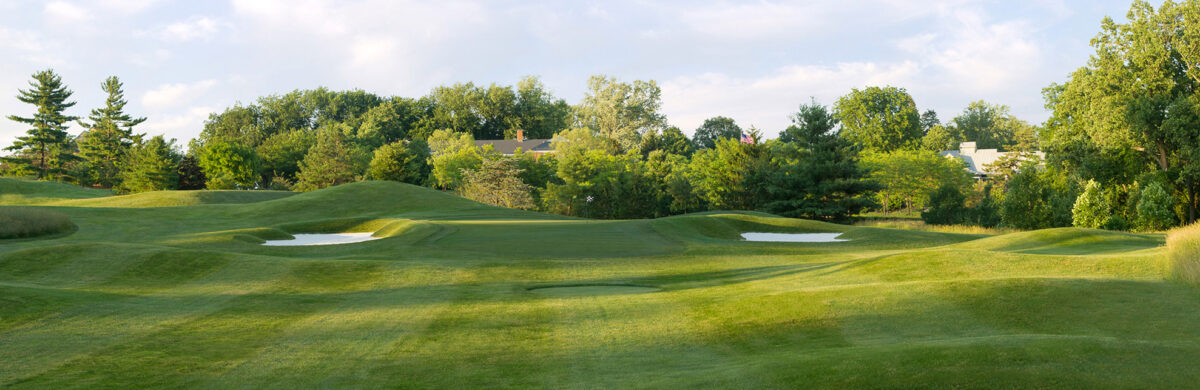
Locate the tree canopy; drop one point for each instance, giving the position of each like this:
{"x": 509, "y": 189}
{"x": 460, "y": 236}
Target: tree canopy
{"x": 879, "y": 119}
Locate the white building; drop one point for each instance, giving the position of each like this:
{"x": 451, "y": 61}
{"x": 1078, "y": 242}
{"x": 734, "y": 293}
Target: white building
{"x": 977, "y": 160}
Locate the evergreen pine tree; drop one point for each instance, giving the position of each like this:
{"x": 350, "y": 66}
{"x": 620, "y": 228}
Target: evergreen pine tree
{"x": 46, "y": 147}
{"x": 110, "y": 135}
{"x": 332, "y": 161}
{"x": 818, "y": 175}
{"x": 150, "y": 166}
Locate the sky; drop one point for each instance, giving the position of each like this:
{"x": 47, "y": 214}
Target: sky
{"x": 753, "y": 61}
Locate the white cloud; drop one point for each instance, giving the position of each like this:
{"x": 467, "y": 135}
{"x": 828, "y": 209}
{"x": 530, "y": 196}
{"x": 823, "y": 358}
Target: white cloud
{"x": 31, "y": 47}
{"x": 766, "y": 102}
{"x": 64, "y": 12}
{"x": 194, "y": 28}
{"x": 977, "y": 54}
{"x": 127, "y": 6}
{"x": 181, "y": 126}
{"x": 753, "y": 20}
{"x": 369, "y": 43}
{"x": 151, "y": 59}
{"x": 172, "y": 95}
{"x": 20, "y": 40}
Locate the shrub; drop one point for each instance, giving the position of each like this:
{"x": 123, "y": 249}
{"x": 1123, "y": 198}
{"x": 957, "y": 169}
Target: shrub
{"x": 1155, "y": 208}
{"x": 1037, "y": 199}
{"x": 23, "y": 222}
{"x": 947, "y": 206}
{"x": 987, "y": 212}
{"x": 1091, "y": 209}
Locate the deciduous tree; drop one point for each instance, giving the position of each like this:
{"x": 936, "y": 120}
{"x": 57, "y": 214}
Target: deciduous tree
{"x": 879, "y": 119}
{"x": 714, "y": 129}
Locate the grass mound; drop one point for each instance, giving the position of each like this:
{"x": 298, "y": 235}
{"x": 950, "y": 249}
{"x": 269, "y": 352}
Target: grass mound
{"x": 1183, "y": 251}
{"x": 729, "y": 225}
{"x": 177, "y": 198}
{"x": 25, "y": 222}
{"x": 1067, "y": 241}
{"x": 31, "y": 192}
{"x": 366, "y": 198}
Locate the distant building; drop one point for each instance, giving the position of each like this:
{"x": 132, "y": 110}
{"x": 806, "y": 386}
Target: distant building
{"x": 977, "y": 160}
{"x": 508, "y": 147}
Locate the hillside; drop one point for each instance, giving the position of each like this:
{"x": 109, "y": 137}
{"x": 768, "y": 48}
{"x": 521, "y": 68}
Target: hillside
{"x": 28, "y": 192}
{"x": 459, "y": 294}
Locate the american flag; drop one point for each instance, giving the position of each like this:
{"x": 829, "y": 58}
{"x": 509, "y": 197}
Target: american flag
{"x": 747, "y": 139}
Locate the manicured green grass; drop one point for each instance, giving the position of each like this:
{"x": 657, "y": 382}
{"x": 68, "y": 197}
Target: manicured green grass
{"x": 462, "y": 295}
{"x": 22, "y": 192}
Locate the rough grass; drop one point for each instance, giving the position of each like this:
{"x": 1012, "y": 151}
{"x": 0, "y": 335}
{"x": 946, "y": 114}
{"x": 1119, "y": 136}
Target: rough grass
{"x": 1183, "y": 247}
{"x": 917, "y": 224}
{"x": 24, "y": 222}
{"x": 184, "y": 297}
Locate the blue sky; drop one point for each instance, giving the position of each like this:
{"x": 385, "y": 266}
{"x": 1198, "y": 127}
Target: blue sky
{"x": 754, "y": 61}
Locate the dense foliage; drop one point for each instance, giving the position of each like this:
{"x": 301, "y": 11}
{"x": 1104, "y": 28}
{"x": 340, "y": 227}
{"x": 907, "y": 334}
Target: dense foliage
{"x": 1119, "y": 152}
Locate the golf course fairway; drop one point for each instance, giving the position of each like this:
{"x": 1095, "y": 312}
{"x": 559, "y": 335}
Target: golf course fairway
{"x": 175, "y": 290}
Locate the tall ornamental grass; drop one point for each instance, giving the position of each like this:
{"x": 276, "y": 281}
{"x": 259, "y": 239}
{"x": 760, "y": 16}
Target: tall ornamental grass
{"x": 23, "y": 222}
{"x": 1183, "y": 250}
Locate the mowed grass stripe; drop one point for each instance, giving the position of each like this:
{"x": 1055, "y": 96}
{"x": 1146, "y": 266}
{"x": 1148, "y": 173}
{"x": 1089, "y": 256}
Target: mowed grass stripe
{"x": 83, "y": 329}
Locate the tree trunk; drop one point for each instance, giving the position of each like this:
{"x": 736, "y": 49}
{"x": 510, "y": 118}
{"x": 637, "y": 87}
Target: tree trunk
{"x": 1191, "y": 194}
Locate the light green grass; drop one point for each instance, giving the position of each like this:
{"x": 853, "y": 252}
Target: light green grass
{"x": 146, "y": 296}
{"x": 26, "y": 192}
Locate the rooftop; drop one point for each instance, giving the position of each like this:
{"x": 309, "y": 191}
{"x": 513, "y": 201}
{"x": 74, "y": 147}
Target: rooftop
{"x": 978, "y": 159}
{"x": 509, "y": 147}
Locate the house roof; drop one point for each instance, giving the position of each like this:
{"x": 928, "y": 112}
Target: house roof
{"x": 509, "y": 146}
{"x": 978, "y": 159}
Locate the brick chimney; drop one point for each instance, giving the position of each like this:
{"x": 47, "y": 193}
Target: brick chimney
{"x": 520, "y": 135}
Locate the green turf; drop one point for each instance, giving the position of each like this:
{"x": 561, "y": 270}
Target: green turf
{"x": 459, "y": 295}
{"x": 24, "y": 192}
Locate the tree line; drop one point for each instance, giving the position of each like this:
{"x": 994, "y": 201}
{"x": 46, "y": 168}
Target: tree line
{"x": 1121, "y": 146}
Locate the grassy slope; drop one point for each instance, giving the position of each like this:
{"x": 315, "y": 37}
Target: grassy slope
{"x": 26, "y": 192}
{"x": 184, "y": 297}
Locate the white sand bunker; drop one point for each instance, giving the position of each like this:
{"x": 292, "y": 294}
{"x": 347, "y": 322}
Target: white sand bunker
{"x": 323, "y": 239}
{"x": 793, "y": 237}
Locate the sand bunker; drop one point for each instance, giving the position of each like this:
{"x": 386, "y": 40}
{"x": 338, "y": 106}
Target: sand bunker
{"x": 793, "y": 237}
{"x": 323, "y": 239}
{"x": 605, "y": 289}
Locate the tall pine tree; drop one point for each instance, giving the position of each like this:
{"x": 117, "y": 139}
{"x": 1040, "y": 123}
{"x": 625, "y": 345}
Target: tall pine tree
{"x": 109, "y": 137}
{"x": 46, "y": 147}
{"x": 817, "y": 175}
